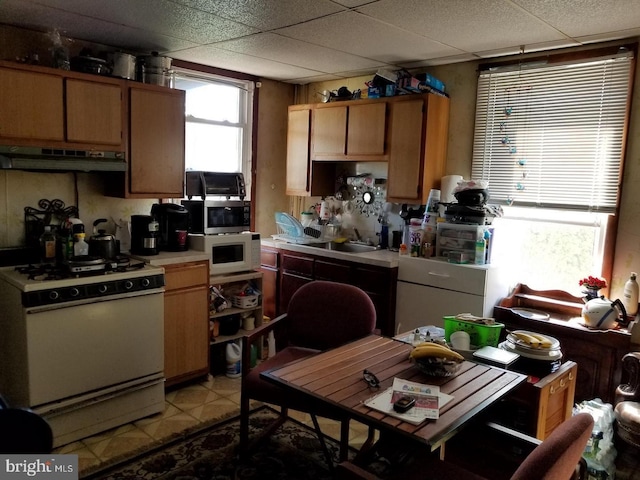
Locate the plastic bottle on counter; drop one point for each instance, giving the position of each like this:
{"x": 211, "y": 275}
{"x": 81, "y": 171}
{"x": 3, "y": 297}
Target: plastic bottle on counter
{"x": 481, "y": 248}
{"x": 630, "y": 295}
{"x": 80, "y": 247}
{"x": 233, "y": 358}
{"x": 415, "y": 237}
{"x": 271, "y": 342}
{"x": 48, "y": 246}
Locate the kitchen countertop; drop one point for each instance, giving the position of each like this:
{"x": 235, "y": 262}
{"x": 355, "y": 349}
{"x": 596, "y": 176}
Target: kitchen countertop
{"x": 170, "y": 258}
{"x": 379, "y": 258}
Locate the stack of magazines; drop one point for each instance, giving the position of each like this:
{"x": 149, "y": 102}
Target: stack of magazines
{"x": 429, "y": 399}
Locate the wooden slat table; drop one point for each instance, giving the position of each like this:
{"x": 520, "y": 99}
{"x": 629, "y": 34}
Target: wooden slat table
{"x": 335, "y": 377}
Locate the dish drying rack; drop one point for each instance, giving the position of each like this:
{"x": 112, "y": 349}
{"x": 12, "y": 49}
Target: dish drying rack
{"x": 291, "y": 230}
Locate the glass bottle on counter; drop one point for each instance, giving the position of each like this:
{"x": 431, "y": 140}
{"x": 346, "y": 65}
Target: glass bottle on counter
{"x": 48, "y": 246}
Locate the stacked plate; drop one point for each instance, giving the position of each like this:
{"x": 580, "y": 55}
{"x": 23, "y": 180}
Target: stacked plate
{"x": 536, "y": 357}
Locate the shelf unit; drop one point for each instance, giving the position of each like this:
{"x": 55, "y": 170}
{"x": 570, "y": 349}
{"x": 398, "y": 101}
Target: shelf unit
{"x": 226, "y": 282}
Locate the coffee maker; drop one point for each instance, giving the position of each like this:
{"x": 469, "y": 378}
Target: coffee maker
{"x": 173, "y": 223}
{"x": 144, "y": 235}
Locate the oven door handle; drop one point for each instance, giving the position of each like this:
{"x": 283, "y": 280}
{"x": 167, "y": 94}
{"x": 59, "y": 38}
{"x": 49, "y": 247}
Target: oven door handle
{"x": 108, "y": 298}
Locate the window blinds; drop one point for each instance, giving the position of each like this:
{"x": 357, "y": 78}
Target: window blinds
{"x": 552, "y": 136}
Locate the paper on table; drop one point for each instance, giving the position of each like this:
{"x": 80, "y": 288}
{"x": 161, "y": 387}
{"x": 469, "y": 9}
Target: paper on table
{"x": 424, "y": 409}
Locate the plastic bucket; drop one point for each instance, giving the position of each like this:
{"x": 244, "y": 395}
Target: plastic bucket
{"x": 233, "y": 357}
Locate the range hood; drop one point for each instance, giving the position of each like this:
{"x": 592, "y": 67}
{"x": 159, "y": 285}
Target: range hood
{"x": 61, "y": 159}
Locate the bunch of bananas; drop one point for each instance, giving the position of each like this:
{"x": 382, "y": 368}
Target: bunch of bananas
{"x": 434, "y": 350}
{"x": 531, "y": 339}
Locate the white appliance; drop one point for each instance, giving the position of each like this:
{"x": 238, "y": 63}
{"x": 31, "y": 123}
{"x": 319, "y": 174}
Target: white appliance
{"x": 85, "y": 352}
{"x": 229, "y": 253}
{"x": 429, "y": 289}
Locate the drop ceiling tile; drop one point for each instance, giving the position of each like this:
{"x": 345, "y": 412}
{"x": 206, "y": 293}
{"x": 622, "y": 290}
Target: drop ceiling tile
{"x": 294, "y": 52}
{"x": 216, "y": 57}
{"x": 529, "y": 48}
{"x": 266, "y": 14}
{"x": 605, "y": 37}
{"x": 354, "y": 3}
{"x": 579, "y": 18}
{"x": 364, "y": 72}
{"x": 465, "y": 57}
{"x": 364, "y": 36}
{"x": 157, "y": 16}
{"x": 313, "y": 79}
{"x": 37, "y": 17}
{"x": 465, "y": 25}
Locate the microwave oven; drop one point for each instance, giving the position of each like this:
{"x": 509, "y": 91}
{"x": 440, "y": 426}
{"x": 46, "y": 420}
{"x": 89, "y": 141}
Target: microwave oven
{"x": 229, "y": 253}
{"x": 210, "y": 217}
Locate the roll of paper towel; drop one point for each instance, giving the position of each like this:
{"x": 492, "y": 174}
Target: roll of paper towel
{"x": 447, "y": 184}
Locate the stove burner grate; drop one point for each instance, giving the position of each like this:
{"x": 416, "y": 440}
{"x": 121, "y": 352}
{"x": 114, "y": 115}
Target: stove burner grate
{"x": 61, "y": 271}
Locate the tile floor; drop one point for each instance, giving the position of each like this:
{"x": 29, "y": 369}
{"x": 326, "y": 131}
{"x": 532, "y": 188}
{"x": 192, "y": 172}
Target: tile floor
{"x": 217, "y": 398}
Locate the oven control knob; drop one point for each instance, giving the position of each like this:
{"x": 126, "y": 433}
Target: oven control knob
{"x": 53, "y": 295}
{"x": 103, "y": 289}
{"x": 128, "y": 285}
{"x": 74, "y": 292}
{"x": 146, "y": 282}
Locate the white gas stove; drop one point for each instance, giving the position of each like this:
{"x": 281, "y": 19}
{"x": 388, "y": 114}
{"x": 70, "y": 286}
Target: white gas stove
{"x": 84, "y": 350}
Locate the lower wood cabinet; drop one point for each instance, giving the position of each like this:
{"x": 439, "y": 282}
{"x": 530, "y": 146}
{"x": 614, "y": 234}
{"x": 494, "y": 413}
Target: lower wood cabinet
{"x": 539, "y": 406}
{"x": 269, "y": 264}
{"x": 297, "y": 269}
{"x": 186, "y": 321}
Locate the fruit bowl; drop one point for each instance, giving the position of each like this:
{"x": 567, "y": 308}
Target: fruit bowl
{"x": 437, "y": 367}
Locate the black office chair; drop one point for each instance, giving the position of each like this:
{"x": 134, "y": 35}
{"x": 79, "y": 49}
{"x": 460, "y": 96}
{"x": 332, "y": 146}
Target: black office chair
{"x": 23, "y": 431}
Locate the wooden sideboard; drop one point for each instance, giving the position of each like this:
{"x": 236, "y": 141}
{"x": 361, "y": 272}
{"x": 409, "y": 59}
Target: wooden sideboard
{"x": 598, "y": 353}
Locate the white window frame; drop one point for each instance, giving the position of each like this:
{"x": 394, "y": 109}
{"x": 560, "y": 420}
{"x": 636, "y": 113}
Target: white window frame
{"x": 245, "y": 119}
{"x": 562, "y": 207}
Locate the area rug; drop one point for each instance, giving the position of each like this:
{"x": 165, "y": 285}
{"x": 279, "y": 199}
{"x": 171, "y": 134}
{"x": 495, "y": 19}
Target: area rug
{"x": 292, "y": 452}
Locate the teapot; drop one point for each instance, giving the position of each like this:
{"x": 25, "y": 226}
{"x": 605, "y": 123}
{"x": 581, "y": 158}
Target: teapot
{"x": 603, "y": 313}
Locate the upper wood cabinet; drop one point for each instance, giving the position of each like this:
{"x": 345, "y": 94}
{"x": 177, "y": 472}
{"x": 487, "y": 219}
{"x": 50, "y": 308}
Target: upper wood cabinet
{"x": 349, "y": 132}
{"x": 304, "y": 177}
{"x": 405, "y": 137}
{"x": 94, "y": 112}
{"x": 329, "y": 133}
{"x": 417, "y": 137}
{"x": 156, "y": 141}
{"x": 366, "y": 129}
{"x": 45, "y": 107}
{"x": 49, "y": 108}
{"x": 31, "y": 106}
{"x": 409, "y": 132}
{"x": 298, "y": 137}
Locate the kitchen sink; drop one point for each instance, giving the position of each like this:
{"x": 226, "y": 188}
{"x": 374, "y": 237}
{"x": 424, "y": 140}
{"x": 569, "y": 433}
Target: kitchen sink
{"x": 346, "y": 247}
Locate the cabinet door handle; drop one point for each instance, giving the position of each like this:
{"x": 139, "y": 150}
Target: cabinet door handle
{"x": 570, "y": 376}
{"x": 552, "y": 390}
{"x": 563, "y": 382}
{"x": 436, "y": 274}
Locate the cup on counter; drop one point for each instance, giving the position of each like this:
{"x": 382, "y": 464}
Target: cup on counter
{"x": 460, "y": 340}
{"x": 181, "y": 238}
{"x": 249, "y": 323}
